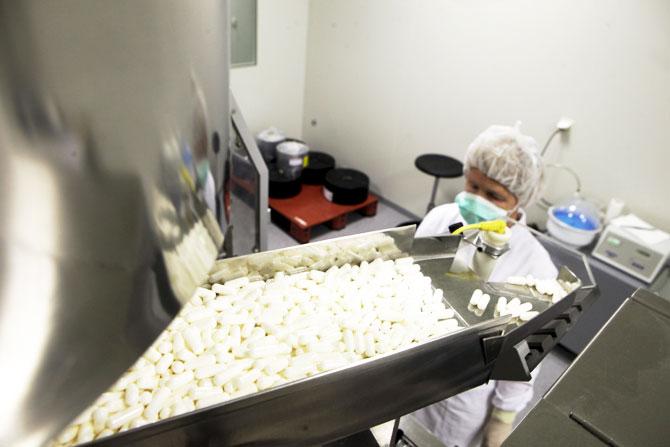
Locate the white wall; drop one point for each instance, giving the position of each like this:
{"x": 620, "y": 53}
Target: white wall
{"x": 388, "y": 80}
{"x": 272, "y": 91}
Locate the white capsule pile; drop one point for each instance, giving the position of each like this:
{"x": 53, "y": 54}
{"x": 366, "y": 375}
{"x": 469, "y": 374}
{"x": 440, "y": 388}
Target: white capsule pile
{"x": 314, "y": 257}
{"x": 244, "y": 336}
{"x": 518, "y": 310}
{"x": 557, "y": 289}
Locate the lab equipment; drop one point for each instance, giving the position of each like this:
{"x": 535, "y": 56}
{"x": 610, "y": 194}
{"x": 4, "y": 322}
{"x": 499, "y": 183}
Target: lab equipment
{"x": 633, "y": 246}
{"x": 575, "y": 222}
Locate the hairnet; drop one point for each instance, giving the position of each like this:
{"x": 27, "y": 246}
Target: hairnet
{"x": 509, "y": 157}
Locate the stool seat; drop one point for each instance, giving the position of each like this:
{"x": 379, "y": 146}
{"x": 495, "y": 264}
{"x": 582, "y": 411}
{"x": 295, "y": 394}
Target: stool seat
{"x": 438, "y": 165}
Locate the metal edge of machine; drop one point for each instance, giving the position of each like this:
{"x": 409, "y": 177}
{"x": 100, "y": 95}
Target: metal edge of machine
{"x": 240, "y": 128}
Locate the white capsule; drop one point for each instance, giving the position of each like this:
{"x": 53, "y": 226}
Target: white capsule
{"x": 115, "y": 405}
{"x": 444, "y": 314}
{"x": 178, "y": 343}
{"x": 390, "y": 315}
{"x": 239, "y": 282}
{"x": 211, "y": 400}
{"x": 185, "y": 356}
{"x": 204, "y": 324}
{"x": 104, "y": 433}
{"x": 501, "y": 305}
{"x": 132, "y": 395}
{"x": 476, "y": 295}
{"x": 177, "y": 367}
{"x": 165, "y": 347}
{"x": 209, "y": 371}
{"x": 157, "y": 401}
{"x": 277, "y": 365}
{"x": 164, "y": 363}
{"x": 138, "y": 422}
{"x": 483, "y": 302}
{"x": 119, "y": 419}
{"x": 180, "y": 380}
{"x": 369, "y": 345}
{"x": 269, "y": 350}
{"x": 517, "y": 280}
{"x": 145, "y": 397}
{"x": 223, "y": 289}
{"x": 85, "y": 433}
{"x": 527, "y": 316}
{"x": 246, "y": 378}
{"x": 193, "y": 340}
{"x": 249, "y": 389}
{"x": 229, "y": 373}
{"x": 100, "y": 418}
{"x": 525, "y": 307}
{"x": 68, "y": 434}
{"x": 152, "y": 355}
{"x": 205, "y": 294}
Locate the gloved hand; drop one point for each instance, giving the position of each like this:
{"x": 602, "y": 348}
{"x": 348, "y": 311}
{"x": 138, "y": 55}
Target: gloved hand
{"x": 498, "y": 427}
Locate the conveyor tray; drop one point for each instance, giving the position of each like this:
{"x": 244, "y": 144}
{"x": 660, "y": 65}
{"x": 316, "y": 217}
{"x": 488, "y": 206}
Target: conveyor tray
{"x": 336, "y": 403}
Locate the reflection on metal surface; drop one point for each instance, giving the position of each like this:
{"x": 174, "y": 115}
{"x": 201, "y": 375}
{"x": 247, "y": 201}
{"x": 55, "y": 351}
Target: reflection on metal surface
{"x": 248, "y": 188}
{"x": 105, "y": 114}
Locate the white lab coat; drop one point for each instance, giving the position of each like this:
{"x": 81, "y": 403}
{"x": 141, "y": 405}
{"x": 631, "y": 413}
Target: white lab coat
{"x": 457, "y": 421}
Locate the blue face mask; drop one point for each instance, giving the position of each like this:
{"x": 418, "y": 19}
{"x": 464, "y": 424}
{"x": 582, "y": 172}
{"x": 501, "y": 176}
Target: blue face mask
{"x": 475, "y": 209}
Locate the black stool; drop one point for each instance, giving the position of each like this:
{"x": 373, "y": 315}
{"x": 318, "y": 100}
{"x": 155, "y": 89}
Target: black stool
{"x": 438, "y": 166}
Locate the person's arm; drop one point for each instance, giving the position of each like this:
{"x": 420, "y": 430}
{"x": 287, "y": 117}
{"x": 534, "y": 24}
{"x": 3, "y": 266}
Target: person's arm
{"x": 508, "y": 399}
{"x": 437, "y": 221}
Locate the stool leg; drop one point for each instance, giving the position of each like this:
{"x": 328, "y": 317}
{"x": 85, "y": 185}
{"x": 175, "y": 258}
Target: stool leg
{"x": 431, "y": 204}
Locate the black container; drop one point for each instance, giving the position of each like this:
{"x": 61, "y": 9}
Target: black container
{"x": 282, "y": 187}
{"x": 346, "y": 186}
{"x": 317, "y": 167}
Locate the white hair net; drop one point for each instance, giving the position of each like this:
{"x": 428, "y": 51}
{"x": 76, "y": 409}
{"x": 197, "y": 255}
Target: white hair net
{"x": 510, "y": 158}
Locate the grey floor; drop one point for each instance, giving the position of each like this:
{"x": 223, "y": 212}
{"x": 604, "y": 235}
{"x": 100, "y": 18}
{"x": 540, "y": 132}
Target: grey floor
{"x": 389, "y": 216}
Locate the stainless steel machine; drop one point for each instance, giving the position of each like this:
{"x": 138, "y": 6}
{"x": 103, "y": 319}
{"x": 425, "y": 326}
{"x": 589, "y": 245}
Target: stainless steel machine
{"x": 337, "y": 403}
{"x": 123, "y": 162}
{"x": 616, "y": 391}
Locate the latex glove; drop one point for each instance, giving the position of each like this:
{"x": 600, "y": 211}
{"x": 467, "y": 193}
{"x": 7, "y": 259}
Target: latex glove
{"x": 498, "y": 427}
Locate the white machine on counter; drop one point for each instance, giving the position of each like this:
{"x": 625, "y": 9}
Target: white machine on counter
{"x": 634, "y": 246}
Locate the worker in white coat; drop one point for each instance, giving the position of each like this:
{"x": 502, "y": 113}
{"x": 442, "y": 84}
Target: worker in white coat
{"x": 504, "y": 174}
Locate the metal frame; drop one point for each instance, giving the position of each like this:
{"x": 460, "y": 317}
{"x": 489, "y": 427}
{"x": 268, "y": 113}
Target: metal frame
{"x": 240, "y": 126}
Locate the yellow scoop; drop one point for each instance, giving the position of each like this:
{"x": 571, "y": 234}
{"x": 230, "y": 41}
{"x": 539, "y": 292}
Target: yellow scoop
{"x": 497, "y": 226}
